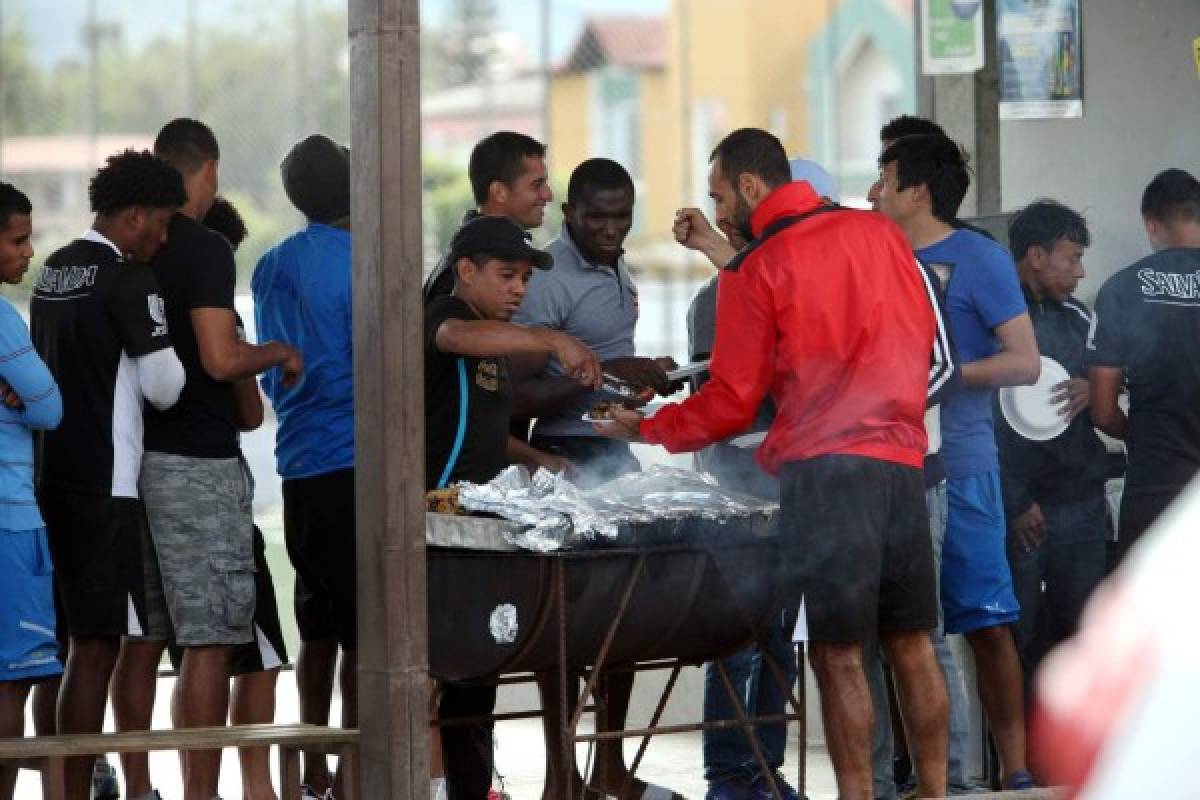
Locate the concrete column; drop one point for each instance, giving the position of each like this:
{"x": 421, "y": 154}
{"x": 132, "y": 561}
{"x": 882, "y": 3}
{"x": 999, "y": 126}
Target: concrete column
{"x": 389, "y": 398}
{"x": 967, "y": 106}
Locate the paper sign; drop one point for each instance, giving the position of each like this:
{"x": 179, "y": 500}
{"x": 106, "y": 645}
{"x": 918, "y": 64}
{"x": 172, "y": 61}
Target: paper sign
{"x": 951, "y": 36}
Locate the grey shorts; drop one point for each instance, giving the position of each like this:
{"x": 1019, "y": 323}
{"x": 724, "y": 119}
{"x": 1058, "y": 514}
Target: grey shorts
{"x": 199, "y": 510}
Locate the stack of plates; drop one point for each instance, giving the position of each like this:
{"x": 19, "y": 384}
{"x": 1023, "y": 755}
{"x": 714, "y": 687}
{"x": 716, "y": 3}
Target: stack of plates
{"x": 1031, "y": 410}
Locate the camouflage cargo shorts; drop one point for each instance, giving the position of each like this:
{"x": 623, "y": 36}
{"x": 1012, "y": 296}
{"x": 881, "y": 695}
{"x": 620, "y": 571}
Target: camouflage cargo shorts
{"x": 199, "y": 510}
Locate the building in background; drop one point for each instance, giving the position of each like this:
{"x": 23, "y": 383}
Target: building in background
{"x": 657, "y": 93}
{"x": 54, "y": 170}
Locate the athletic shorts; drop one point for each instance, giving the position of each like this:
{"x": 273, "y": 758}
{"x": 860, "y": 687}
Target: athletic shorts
{"x": 199, "y": 510}
{"x": 856, "y": 549}
{"x": 28, "y": 646}
{"x": 318, "y": 526}
{"x": 96, "y": 543}
{"x": 268, "y": 650}
{"x": 977, "y": 589}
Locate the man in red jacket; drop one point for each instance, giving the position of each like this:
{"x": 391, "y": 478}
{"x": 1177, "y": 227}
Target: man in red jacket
{"x": 827, "y": 310}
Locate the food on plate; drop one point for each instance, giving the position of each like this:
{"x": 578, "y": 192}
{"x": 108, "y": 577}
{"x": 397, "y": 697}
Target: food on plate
{"x": 603, "y": 411}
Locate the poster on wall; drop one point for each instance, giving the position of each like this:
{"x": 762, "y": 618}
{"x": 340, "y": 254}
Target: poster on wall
{"x": 951, "y": 36}
{"x": 1039, "y": 46}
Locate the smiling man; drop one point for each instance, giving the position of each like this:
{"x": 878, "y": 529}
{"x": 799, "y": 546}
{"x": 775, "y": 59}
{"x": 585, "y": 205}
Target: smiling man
{"x": 508, "y": 179}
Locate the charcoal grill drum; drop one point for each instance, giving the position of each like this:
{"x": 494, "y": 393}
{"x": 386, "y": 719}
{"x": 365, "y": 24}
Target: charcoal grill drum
{"x": 681, "y": 607}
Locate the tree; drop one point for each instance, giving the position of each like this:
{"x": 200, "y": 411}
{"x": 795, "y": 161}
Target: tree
{"x": 467, "y": 41}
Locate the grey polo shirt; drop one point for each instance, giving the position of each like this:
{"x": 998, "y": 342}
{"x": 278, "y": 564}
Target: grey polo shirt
{"x": 596, "y": 304}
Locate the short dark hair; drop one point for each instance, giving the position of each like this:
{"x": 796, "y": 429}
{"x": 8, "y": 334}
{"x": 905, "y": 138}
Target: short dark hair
{"x": 909, "y": 125}
{"x": 597, "y": 174}
{"x": 755, "y": 151}
{"x": 135, "y": 178}
{"x": 937, "y": 162}
{"x": 1173, "y": 196}
{"x": 224, "y": 218}
{"x": 13, "y": 202}
{"x": 187, "y": 144}
{"x": 1044, "y": 222}
{"x": 500, "y": 157}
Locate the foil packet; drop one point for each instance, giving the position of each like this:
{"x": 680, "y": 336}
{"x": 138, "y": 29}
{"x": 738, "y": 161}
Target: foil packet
{"x": 552, "y": 513}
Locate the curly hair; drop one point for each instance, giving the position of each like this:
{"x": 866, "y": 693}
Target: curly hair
{"x": 224, "y": 218}
{"x": 131, "y": 178}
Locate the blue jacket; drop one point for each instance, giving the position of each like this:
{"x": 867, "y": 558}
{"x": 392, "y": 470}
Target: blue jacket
{"x": 302, "y": 297}
{"x": 26, "y": 374}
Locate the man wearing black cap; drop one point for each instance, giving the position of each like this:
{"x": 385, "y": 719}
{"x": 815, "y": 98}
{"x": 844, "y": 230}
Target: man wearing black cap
{"x": 302, "y": 295}
{"x": 468, "y": 403}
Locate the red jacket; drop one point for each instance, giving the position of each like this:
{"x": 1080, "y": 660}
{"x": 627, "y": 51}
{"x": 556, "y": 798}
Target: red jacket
{"x": 832, "y": 316}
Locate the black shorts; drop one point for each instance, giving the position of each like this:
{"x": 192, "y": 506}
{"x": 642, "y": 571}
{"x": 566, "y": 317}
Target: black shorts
{"x": 96, "y": 544}
{"x": 268, "y": 649}
{"x": 318, "y": 526}
{"x": 857, "y": 547}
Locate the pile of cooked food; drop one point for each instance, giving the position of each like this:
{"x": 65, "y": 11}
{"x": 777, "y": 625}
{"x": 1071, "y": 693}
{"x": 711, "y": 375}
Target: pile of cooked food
{"x": 443, "y": 501}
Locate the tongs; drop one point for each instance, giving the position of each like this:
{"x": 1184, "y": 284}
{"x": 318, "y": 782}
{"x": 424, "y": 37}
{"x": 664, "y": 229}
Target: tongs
{"x": 621, "y": 388}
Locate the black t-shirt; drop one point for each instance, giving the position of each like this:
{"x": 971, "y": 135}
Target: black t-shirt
{"x": 1147, "y": 322}
{"x": 91, "y": 314}
{"x": 196, "y": 270}
{"x": 468, "y": 402}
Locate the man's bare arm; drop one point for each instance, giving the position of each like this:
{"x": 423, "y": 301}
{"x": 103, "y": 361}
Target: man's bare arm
{"x": 1018, "y": 362}
{"x": 225, "y": 357}
{"x": 1105, "y": 384}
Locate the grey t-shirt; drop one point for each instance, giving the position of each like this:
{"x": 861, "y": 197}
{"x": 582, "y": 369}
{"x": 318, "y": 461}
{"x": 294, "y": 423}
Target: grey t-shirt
{"x": 733, "y": 467}
{"x": 598, "y": 305}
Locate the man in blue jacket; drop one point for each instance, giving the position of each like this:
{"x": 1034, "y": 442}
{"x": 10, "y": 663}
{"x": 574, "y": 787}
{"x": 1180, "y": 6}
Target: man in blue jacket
{"x": 302, "y": 296}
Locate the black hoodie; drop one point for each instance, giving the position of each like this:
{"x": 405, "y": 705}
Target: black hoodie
{"x": 1072, "y": 466}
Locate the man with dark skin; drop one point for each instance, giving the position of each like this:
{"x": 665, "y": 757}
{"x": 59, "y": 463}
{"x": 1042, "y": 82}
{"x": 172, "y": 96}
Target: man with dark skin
{"x": 82, "y": 335}
{"x": 590, "y": 295}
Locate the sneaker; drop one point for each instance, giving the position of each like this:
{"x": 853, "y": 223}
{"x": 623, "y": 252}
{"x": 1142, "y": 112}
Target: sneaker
{"x": 104, "y": 781}
{"x": 1020, "y": 779}
{"x": 309, "y": 793}
{"x": 763, "y": 789}
{"x": 730, "y": 790}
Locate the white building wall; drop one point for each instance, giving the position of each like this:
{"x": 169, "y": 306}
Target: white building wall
{"x": 1141, "y": 115}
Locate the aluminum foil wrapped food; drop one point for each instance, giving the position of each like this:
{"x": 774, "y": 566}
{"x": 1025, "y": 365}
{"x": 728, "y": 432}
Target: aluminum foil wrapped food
{"x": 661, "y": 503}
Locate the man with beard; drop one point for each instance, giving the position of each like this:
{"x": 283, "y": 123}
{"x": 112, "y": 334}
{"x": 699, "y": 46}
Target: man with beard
{"x": 832, "y": 295}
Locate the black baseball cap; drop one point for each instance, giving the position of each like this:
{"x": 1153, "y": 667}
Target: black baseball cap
{"x": 499, "y": 237}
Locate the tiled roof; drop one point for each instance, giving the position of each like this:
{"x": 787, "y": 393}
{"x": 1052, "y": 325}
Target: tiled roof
{"x": 635, "y": 42}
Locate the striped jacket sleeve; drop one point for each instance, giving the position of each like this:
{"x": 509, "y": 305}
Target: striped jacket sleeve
{"x": 945, "y": 371}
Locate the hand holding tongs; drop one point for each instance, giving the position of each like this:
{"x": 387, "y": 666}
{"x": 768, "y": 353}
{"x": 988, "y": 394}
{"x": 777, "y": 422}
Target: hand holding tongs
{"x": 625, "y": 390}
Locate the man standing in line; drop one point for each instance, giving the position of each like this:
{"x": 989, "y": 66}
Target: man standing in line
{"x": 508, "y": 179}
{"x": 894, "y": 775}
{"x": 924, "y": 179}
{"x": 97, "y": 321}
{"x": 1054, "y": 497}
{"x": 197, "y": 490}
{"x": 28, "y": 647}
{"x": 1146, "y": 326}
{"x": 847, "y": 441}
{"x": 302, "y": 295}
{"x": 591, "y": 296}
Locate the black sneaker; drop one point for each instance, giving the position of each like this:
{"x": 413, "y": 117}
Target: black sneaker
{"x": 104, "y": 781}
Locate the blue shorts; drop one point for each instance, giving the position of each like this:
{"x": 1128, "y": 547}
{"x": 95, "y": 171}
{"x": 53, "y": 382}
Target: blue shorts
{"x": 28, "y": 648}
{"x": 977, "y": 588}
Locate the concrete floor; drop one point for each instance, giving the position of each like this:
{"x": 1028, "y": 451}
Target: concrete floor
{"x": 672, "y": 761}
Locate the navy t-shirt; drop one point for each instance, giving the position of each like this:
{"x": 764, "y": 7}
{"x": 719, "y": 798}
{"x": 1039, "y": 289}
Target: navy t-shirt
{"x": 468, "y": 403}
{"x": 1147, "y": 322}
{"x": 982, "y": 292}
